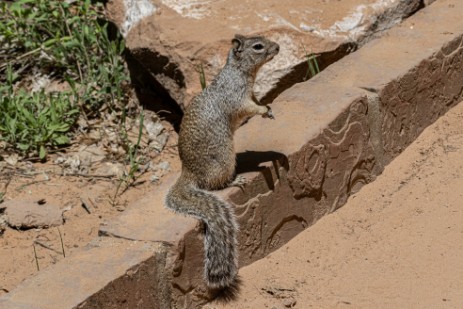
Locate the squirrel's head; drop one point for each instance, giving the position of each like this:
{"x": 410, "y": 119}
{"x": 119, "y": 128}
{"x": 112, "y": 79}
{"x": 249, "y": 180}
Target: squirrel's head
{"x": 250, "y": 53}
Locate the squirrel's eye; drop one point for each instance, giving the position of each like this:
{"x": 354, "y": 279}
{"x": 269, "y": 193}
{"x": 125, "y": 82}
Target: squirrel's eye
{"x": 258, "y": 46}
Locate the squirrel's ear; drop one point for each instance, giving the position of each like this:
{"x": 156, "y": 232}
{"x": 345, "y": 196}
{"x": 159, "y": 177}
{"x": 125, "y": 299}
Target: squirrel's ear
{"x": 238, "y": 43}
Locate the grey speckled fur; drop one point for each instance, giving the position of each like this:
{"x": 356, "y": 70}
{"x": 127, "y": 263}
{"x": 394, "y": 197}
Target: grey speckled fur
{"x": 208, "y": 156}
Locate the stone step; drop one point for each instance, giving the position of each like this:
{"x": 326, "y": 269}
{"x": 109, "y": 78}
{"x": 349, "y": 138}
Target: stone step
{"x": 332, "y": 135}
{"x": 108, "y": 273}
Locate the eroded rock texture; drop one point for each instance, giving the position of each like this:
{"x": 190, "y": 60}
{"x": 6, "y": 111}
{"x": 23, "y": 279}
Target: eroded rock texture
{"x": 420, "y": 97}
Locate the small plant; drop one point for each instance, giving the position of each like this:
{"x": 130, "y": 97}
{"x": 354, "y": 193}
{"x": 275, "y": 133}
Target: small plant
{"x": 312, "y": 65}
{"x": 202, "y": 76}
{"x": 62, "y": 243}
{"x": 36, "y": 258}
{"x": 133, "y": 152}
{"x": 35, "y": 121}
{"x": 65, "y": 41}
{"x": 129, "y": 178}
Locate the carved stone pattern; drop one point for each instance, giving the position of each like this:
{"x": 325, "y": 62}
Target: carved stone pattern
{"x": 307, "y": 170}
{"x": 341, "y": 161}
{"x": 405, "y": 116}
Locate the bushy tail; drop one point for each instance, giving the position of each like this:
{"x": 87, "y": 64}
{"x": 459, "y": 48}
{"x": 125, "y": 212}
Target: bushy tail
{"x": 221, "y": 258}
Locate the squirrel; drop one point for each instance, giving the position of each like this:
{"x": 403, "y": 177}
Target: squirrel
{"x": 208, "y": 157}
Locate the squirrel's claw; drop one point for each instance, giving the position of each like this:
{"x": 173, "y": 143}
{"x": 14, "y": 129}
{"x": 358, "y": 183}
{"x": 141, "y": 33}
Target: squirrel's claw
{"x": 269, "y": 113}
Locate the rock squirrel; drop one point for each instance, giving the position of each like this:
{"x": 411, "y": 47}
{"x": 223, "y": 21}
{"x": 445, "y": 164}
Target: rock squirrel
{"x": 208, "y": 157}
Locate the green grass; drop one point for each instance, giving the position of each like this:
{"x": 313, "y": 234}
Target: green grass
{"x": 312, "y": 64}
{"x": 67, "y": 42}
{"x": 202, "y": 76}
{"x": 35, "y": 122}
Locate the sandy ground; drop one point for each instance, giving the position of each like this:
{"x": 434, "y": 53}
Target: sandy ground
{"x": 398, "y": 243}
{"x": 43, "y": 181}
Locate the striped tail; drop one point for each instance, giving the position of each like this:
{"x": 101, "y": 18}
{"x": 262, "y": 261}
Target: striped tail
{"x": 221, "y": 256}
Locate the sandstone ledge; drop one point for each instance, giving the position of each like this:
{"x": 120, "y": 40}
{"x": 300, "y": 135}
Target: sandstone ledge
{"x": 170, "y": 40}
{"x": 332, "y": 135}
{"x": 108, "y": 273}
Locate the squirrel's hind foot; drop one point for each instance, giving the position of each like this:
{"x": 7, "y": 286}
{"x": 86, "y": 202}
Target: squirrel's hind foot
{"x": 239, "y": 181}
{"x": 269, "y": 113}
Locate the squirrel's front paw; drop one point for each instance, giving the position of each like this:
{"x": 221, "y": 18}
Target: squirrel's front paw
{"x": 269, "y": 113}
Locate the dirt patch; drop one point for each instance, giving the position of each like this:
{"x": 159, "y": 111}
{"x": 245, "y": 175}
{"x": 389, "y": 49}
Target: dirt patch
{"x": 396, "y": 244}
{"x": 87, "y": 202}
